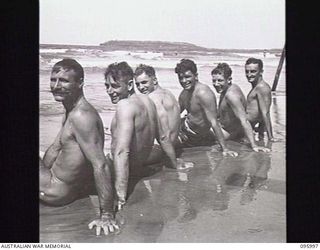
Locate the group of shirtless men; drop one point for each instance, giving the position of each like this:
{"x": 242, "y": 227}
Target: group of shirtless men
{"x": 75, "y": 163}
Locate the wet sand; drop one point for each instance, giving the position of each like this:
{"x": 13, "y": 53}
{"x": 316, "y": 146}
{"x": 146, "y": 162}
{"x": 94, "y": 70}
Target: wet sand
{"x": 221, "y": 199}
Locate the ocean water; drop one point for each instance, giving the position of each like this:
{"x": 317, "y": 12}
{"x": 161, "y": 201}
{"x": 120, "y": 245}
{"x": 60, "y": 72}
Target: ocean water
{"x": 219, "y": 200}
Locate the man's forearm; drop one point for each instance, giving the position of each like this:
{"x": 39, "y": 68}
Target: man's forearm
{"x": 170, "y": 152}
{"x": 51, "y": 155}
{"x": 248, "y": 132}
{"x": 267, "y": 122}
{"x": 104, "y": 188}
{"x": 217, "y": 130}
{"x": 121, "y": 165}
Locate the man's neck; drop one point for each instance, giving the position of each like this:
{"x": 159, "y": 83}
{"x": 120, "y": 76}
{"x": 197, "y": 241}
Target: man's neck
{"x": 257, "y": 82}
{"x": 70, "y": 105}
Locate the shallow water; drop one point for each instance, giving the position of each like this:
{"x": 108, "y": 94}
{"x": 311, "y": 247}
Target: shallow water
{"x": 221, "y": 199}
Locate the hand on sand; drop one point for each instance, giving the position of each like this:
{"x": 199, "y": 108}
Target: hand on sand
{"x": 228, "y": 152}
{"x": 181, "y": 164}
{"x": 261, "y": 149}
{"x": 274, "y": 139}
{"x": 107, "y": 223}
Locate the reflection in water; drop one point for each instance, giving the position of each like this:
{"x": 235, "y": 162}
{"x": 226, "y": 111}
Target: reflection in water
{"x": 172, "y": 189}
{"x": 248, "y": 171}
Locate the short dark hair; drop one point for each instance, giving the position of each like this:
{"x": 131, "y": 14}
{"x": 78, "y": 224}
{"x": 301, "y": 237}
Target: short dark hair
{"x": 185, "y": 65}
{"x": 223, "y": 69}
{"x": 69, "y": 64}
{"x": 255, "y": 61}
{"x": 119, "y": 70}
{"x": 143, "y": 68}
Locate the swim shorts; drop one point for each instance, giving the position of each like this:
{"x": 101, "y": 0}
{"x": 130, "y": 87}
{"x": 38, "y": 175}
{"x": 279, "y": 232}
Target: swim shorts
{"x": 189, "y": 138}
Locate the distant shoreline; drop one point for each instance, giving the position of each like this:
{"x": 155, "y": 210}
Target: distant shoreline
{"x": 155, "y": 46}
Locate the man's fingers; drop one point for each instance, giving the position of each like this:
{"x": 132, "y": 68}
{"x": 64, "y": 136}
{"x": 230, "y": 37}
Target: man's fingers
{"x": 116, "y": 226}
{"x": 91, "y": 225}
{"x": 111, "y": 229}
{"x": 106, "y": 230}
{"x": 98, "y": 230}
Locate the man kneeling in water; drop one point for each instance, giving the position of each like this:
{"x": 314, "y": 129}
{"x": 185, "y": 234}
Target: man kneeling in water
{"x": 75, "y": 160}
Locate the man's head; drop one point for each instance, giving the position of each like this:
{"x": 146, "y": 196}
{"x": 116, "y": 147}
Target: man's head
{"x": 187, "y": 73}
{"x": 119, "y": 81}
{"x": 66, "y": 80}
{"x": 254, "y": 70}
{"x": 145, "y": 78}
{"x": 221, "y": 77}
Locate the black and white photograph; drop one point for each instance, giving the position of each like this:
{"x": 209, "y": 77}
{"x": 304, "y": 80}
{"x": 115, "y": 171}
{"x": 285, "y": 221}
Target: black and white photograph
{"x": 162, "y": 121}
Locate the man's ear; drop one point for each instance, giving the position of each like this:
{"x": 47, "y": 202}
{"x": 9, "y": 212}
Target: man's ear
{"x": 130, "y": 85}
{"x": 81, "y": 83}
{"x": 155, "y": 80}
{"x": 196, "y": 76}
{"x": 229, "y": 80}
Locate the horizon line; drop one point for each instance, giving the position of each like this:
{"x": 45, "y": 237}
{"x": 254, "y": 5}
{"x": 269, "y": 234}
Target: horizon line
{"x": 161, "y": 41}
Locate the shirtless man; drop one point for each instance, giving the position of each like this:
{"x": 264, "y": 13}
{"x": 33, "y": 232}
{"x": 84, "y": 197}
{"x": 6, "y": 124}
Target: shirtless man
{"x": 133, "y": 128}
{"x": 167, "y": 106}
{"x": 200, "y": 102}
{"x": 259, "y": 98}
{"x": 75, "y": 159}
{"x": 232, "y": 107}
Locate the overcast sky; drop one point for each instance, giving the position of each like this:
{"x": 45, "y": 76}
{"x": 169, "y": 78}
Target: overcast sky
{"x": 209, "y": 23}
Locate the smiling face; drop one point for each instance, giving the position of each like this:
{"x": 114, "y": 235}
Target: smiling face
{"x": 253, "y": 73}
{"x": 145, "y": 83}
{"x": 187, "y": 79}
{"x": 117, "y": 90}
{"x": 220, "y": 83}
{"x": 63, "y": 85}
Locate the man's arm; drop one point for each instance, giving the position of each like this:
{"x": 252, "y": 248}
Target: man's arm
{"x": 233, "y": 100}
{"x": 264, "y": 101}
{"x": 163, "y": 135}
{"x": 124, "y": 132}
{"x": 207, "y": 101}
{"x": 52, "y": 152}
{"x": 182, "y": 108}
{"x": 91, "y": 143}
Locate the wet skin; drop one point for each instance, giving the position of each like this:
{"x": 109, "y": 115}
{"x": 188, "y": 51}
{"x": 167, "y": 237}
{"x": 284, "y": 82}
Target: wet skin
{"x": 76, "y": 159}
{"x": 232, "y": 111}
{"x": 200, "y": 103}
{"x": 259, "y": 101}
{"x": 168, "y": 111}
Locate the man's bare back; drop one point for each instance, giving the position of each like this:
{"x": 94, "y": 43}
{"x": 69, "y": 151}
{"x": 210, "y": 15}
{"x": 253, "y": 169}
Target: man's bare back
{"x": 71, "y": 173}
{"x": 168, "y": 111}
{"x": 254, "y": 114}
{"x": 142, "y": 114}
{"x": 229, "y": 121}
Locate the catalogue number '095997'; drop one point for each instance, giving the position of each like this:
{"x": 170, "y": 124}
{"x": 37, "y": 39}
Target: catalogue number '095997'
{"x": 308, "y": 245}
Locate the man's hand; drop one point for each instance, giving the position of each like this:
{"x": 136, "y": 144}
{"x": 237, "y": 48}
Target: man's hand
{"x": 227, "y": 152}
{"x": 261, "y": 149}
{"x": 107, "y": 223}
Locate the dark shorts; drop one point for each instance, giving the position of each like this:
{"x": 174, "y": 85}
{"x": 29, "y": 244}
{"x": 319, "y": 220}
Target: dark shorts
{"x": 189, "y": 138}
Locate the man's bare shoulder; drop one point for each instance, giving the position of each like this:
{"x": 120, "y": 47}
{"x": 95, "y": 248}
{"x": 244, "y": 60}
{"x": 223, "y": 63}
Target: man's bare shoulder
{"x": 203, "y": 91}
{"x": 85, "y": 117}
{"x": 234, "y": 91}
{"x": 263, "y": 87}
